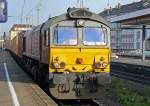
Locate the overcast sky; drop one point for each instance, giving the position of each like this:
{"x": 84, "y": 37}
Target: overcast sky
{"x": 48, "y": 8}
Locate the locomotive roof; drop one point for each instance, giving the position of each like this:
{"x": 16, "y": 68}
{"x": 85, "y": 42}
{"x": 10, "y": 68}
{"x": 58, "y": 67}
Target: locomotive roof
{"x": 81, "y": 13}
{"x": 77, "y": 13}
{"x": 16, "y": 26}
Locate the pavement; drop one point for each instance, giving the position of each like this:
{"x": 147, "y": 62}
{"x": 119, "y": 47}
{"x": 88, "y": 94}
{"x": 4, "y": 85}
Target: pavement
{"x": 16, "y": 87}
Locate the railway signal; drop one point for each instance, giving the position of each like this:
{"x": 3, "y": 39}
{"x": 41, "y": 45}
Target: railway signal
{"x": 3, "y": 11}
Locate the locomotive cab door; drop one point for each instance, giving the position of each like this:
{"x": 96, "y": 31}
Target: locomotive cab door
{"x": 45, "y": 46}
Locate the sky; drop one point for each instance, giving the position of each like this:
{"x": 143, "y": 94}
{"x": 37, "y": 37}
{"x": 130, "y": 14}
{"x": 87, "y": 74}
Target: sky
{"x": 48, "y": 8}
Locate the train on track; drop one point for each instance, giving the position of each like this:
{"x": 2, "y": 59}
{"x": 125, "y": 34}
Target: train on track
{"x": 69, "y": 53}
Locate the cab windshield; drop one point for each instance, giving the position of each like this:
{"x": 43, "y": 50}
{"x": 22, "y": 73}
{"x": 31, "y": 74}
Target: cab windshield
{"x": 94, "y": 36}
{"x": 65, "y": 36}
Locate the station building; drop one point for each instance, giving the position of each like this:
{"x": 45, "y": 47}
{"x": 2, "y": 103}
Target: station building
{"x": 126, "y": 37}
{"x": 17, "y": 28}
{"x": 14, "y": 31}
{"x": 1, "y": 43}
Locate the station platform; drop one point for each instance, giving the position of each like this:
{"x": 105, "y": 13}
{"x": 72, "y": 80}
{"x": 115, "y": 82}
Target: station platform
{"x": 16, "y": 87}
{"x": 132, "y": 61}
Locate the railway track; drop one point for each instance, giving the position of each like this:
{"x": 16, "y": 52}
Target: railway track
{"x": 82, "y": 103}
{"x": 100, "y": 102}
{"x": 134, "y": 56}
{"x": 140, "y": 76}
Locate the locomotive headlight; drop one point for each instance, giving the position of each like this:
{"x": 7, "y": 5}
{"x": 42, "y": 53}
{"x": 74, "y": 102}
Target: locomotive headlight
{"x": 104, "y": 64}
{"x": 80, "y": 23}
{"x": 56, "y": 64}
{"x": 62, "y": 65}
{"x": 97, "y": 64}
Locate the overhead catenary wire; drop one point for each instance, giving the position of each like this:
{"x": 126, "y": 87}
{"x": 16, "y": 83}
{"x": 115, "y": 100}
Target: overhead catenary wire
{"x": 22, "y": 11}
{"x": 30, "y": 11}
{"x": 37, "y": 8}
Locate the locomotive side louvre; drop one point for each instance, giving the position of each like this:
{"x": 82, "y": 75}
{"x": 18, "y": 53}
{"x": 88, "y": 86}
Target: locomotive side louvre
{"x": 35, "y": 47}
{"x": 27, "y": 44}
{"x": 32, "y": 43}
{"x": 35, "y": 43}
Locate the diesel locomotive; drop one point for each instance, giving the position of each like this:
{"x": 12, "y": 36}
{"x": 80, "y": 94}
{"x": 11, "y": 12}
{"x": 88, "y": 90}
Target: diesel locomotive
{"x": 69, "y": 53}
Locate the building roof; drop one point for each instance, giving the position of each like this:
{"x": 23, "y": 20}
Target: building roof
{"x": 20, "y": 26}
{"x": 122, "y": 9}
{"x": 76, "y": 13}
{"x": 1, "y": 40}
{"x": 138, "y": 17}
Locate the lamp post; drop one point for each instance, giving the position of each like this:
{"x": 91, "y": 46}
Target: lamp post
{"x": 81, "y": 3}
{"x": 143, "y": 41}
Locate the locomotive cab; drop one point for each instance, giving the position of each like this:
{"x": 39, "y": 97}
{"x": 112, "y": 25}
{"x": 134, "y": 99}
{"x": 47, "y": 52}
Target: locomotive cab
{"x": 80, "y": 49}
{"x": 79, "y": 44}
{"x": 79, "y": 57}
